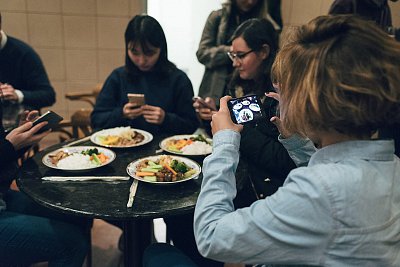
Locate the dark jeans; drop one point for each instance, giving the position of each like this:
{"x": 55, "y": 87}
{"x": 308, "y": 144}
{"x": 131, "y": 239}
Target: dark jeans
{"x": 30, "y": 233}
{"x": 165, "y": 255}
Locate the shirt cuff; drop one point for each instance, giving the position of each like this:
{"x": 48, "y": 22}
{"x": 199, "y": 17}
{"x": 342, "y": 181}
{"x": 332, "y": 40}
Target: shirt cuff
{"x": 293, "y": 142}
{"x": 20, "y": 95}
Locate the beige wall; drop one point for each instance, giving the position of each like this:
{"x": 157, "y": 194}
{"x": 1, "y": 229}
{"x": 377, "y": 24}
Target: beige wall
{"x": 81, "y": 41}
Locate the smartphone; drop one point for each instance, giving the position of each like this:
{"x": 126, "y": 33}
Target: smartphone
{"x": 245, "y": 109}
{"x": 202, "y": 102}
{"x": 138, "y": 99}
{"x": 51, "y": 117}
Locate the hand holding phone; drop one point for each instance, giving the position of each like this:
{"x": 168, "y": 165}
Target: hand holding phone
{"x": 203, "y": 103}
{"x": 137, "y": 99}
{"x": 245, "y": 109}
{"x": 51, "y": 117}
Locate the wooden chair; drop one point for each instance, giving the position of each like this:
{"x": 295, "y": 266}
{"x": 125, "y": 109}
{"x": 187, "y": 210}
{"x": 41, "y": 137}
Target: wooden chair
{"x": 80, "y": 119}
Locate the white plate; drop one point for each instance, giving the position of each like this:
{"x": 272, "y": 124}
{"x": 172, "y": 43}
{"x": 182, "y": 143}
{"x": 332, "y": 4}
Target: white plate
{"x": 163, "y": 144}
{"x": 114, "y": 131}
{"x": 78, "y": 149}
{"x": 131, "y": 168}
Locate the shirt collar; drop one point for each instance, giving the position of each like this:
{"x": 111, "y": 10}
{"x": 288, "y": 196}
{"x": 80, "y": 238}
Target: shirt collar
{"x": 3, "y": 39}
{"x": 374, "y": 150}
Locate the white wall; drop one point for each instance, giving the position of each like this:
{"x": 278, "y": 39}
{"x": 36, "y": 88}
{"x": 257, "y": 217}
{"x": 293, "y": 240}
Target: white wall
{"x": 183, "y": 22}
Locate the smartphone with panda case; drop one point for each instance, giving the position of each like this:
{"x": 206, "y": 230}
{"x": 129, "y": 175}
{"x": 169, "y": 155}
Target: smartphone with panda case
{"x": 245, "y": 109}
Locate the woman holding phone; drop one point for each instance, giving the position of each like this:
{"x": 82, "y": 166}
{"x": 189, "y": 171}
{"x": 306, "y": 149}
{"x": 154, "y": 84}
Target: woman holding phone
{"x": 264, "y": 161}
{"x": 167, "y": 90}
{"x": 342, "y": 208}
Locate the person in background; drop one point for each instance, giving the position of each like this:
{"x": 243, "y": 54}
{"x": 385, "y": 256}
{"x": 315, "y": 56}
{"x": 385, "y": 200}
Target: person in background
{"x": 343, "y": 208}
{"x": 23, "y": 79}
{"x": 379, "y": 12}
{"x": 168, "y": 91}
{"x": 374, "y": 10}
{"x": 215, "y": 43}
{"x": 265, "y": 163}
{"x": 31, "y": 233}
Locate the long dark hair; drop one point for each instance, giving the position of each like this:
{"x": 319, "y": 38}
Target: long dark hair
{"x": 146, "y": 31}
{"x": 256, "y": 33}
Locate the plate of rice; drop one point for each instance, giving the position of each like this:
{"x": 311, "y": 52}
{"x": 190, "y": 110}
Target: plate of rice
{"x": 188, "y": 145}
{"x": 121, "y": 137}
{"x": 78, "y": 158}
{"x": 163, "y": 169}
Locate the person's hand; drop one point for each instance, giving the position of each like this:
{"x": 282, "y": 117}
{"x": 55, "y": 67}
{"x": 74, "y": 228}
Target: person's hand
{"x": 222, "y": 119}
{"x": 131, "y": 111}
{"x": 153, "y": 114}
{"x": 25, "y": 135}
{"x": 205, "y": 112}
{"x": 276, "y": 120}
{"x": 8, "y": 92}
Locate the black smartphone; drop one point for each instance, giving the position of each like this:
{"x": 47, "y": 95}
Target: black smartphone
{"x": 51, "y": 117}
{"x": 245, "y": 109}
{"x": 202, "y": 102}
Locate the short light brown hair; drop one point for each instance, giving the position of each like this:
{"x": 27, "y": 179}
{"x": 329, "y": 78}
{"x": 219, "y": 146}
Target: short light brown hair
{"x": 339, "y": 73}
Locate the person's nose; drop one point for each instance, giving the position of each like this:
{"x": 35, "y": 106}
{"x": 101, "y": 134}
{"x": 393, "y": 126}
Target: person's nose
{"x": 252, "y": 2}
{"x": 236, "y": 62}
{"x": 142, "y": 60}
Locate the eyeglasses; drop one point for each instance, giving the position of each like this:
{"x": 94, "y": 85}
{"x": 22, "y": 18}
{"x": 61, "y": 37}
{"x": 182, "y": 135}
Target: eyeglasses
{"x": 238, "y": 56}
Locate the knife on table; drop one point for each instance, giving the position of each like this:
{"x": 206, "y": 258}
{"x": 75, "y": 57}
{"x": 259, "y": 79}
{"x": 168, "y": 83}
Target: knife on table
{"x": 132, "y": 193}
{"x": 85, "y": 178}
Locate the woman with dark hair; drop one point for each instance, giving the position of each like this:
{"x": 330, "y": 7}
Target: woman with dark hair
{"x": 168, "y": 91}
{"x": 216, "y": 41}
{"x": 264, "y": 163}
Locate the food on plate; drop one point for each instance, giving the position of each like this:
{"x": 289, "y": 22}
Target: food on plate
{"x": 77, "y": 160}
{"x": 163, "y": 169}
{"x": 122, "y": 136}
{"x": 196, "y": 144}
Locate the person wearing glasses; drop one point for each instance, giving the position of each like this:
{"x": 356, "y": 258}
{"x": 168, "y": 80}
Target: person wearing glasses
{"x": 167, "y": 90}
{"x": 216, "y": 40}
{"x": 264, "y": 161}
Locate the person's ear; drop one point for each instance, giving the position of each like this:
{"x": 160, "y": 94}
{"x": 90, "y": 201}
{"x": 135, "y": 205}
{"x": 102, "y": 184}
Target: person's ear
{"x": 265, "y": 51}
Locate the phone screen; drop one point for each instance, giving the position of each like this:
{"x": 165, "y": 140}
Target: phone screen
{"x": 245, "y": 109}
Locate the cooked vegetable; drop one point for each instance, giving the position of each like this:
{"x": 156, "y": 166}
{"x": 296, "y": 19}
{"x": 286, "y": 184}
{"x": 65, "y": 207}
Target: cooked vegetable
{"x": 142, "y": 174}
{"x": 179, "y": 166}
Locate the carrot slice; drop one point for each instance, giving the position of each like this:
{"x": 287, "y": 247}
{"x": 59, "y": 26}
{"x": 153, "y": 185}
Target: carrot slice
{"x": 170, "y": 169}
{"x": 144, "y": 174}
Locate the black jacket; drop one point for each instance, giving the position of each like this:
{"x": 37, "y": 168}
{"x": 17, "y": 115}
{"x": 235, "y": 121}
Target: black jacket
{"x": 266, "y": 160}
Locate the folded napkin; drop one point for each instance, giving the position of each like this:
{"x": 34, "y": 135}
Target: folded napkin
{"x": 85, "y": 178}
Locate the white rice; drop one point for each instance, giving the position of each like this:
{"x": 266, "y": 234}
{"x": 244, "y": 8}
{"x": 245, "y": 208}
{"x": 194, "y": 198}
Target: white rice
{"x": 197, "y": 148}
{"x": 76, "y": 161}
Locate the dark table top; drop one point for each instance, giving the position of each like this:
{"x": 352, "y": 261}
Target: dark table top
{"x": 107, "y": 200}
